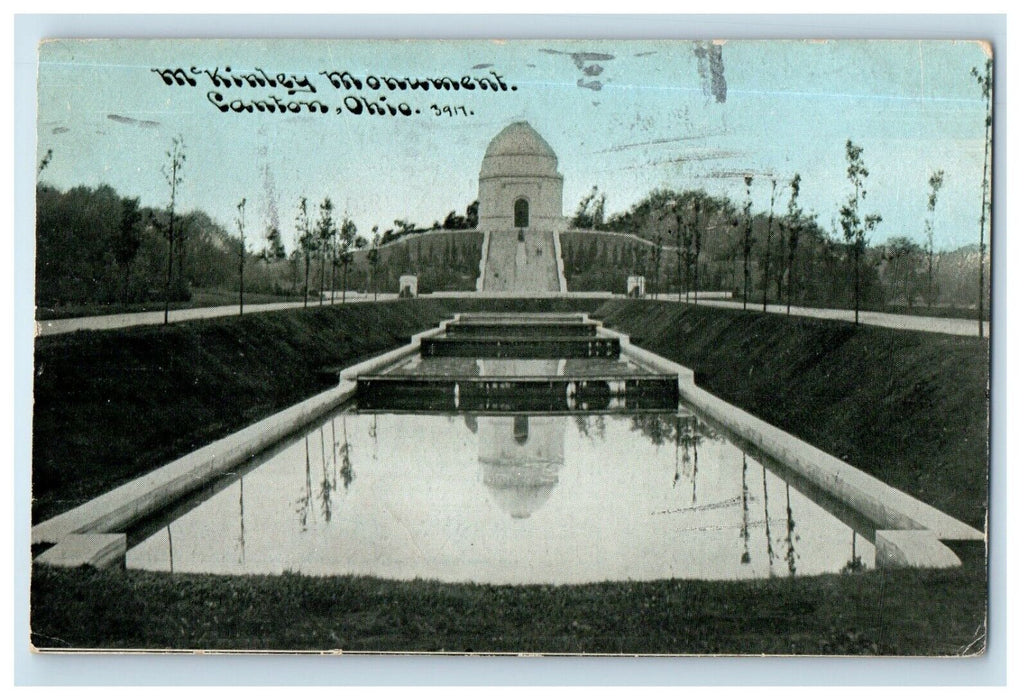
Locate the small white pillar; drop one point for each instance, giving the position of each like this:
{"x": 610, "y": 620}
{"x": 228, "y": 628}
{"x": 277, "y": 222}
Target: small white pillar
{"x": 636, "y": 286}
{"x": 408, "y": 285}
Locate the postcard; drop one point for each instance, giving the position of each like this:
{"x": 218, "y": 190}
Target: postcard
{"x": 512, "y": 347}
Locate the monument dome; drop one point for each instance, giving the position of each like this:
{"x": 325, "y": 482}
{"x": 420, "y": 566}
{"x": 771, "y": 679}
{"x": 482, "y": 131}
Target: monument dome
{"x": 519, "y": 186}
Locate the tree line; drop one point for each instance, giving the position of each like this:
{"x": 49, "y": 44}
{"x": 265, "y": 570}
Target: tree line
{"x": 695, "y": 241}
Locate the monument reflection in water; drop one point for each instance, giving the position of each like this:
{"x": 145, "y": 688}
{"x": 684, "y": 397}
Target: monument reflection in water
{"x": 505, "y": 499}
{"x": 520, "y": 456}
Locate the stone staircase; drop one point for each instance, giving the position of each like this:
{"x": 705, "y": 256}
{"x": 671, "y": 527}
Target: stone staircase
{"x": 513, "y": 265}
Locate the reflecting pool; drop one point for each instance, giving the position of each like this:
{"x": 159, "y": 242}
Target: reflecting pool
{"x": 517, "y": 498}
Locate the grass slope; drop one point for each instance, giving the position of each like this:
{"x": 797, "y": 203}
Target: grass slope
{"x": 876, "y": 612}
{"x": 909, "y": 408}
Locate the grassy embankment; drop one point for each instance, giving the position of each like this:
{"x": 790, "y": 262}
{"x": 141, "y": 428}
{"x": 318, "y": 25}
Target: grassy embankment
{"x": 201, "y": 298}
{"x": 878, "y": 398}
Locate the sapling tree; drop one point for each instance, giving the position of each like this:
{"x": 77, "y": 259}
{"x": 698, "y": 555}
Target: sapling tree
{"x": 688, "y": 230}
{"x": 767, "y": 248}
{"x": 984, "y": 79}
{"x": 854, "y": 228}
{"x": 671, "y": 207}
{"x": 655, "y": 254}
{"x": 306, "y": 238}
{"x": 747, "y": 241}
{"x": 172, "y": 171}
{"x": 934, "y": 184}
{"x": 241, "y": 226}
{"x": 325, "y": 233}
{"x": 793, "y": 216}
{"x": 344, "y": 256}
{"x": 360, "y": 243}
{"x": 697, "y": 236}
{"x": 373, "y": 262}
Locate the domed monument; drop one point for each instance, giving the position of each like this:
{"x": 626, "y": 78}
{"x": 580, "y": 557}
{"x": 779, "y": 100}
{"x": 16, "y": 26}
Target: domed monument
{"x": 519, "y": 186}
{"x": 520, "y": 212}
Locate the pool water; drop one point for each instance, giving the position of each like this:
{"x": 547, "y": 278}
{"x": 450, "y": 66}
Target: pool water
{"x": 505, "y": 499}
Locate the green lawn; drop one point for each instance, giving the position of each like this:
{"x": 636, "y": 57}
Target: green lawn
{"x": 906, "y": 612}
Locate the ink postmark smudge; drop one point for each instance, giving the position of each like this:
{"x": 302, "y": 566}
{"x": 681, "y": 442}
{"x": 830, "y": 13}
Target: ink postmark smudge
{"x": 146, "y": 123}
{"x": 711, "y": 69}
{"x": 588, "y": 62}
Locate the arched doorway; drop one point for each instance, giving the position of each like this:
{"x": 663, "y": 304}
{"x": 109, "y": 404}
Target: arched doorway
{"x": 521, "y": 213}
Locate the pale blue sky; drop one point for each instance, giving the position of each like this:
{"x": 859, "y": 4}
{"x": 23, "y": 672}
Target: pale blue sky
{"x": 790, "y": 107}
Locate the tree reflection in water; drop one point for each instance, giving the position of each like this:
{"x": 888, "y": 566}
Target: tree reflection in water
{"x": 678, "y": 454}
{"x": 767, "y": 527}
{"x": 686, "y": 430}
{"x": 373, "y": 434}
{"x": 790, "y": 534}
{"x": 658, "y": 427}
{"x": 340, "y": 465}
{"x": 242, "y": 528}
{"x": 695, "y": 468}
{"x": 745, "y": 531}
{"x": 590, "y": 426}
{"x": 346, "y": 469}
{"x": 335, "y": 452}
{"x": 303, "y": 504}
{"x": 327, "y": 485}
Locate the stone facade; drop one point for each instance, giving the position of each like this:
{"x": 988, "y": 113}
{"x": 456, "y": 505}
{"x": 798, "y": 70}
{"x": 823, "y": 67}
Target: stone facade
{"x": 518, "y": 185}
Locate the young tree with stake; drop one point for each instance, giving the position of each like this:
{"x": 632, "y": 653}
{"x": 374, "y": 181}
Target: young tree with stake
{"x": 697, "y": 239}
{"x": 747, "y": 241}
{"x": 767, "y": 249}
{"x": 793, "y": 216}
{"x": 173, "y": 176}
{"x": 934, "y": 184}
{"x": 347, "y": 234}
{"x": 985, "y": 83}
{"x": 376, "y": 240}
{"x": 241, "y": 225}
{"x": 854, "y": 229}
{"x": 325, "y": 232}
{"x": 306, "y": 237}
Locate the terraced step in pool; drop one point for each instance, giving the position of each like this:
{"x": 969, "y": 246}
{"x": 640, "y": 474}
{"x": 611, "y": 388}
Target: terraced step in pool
{"x": 525, "y": 347}
{"x": 535, "y": 329}
{"x": 564, "y": 394}
{"x": 515, "y": 317}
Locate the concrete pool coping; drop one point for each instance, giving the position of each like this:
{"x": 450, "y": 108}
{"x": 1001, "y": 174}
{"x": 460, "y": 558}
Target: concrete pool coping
{"x": 911, "y": 532}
